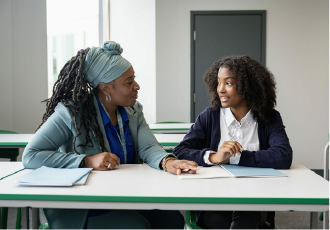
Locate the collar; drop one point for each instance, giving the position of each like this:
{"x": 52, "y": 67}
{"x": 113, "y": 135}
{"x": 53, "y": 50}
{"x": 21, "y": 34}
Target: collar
{"x": 105, "y": 115}
{"x": 230, "y": 118}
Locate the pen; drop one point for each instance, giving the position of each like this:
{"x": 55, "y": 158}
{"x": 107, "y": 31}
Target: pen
{"x": 231, "y": 138}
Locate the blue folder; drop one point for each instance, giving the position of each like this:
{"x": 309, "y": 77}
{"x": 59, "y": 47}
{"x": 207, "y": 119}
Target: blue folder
{"x": 45, "y": 176}
{"x": 241, "y": 171}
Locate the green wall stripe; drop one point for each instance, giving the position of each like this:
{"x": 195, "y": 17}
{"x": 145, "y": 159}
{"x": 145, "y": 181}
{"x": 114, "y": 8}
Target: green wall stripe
{"x": 217, "y": 200}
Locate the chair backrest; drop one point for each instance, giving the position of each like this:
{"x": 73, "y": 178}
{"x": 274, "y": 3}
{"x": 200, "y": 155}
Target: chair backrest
{"x": 10, "y": 153}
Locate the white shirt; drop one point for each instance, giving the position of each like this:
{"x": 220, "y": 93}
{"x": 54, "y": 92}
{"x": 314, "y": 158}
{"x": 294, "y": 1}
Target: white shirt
{"x": 246, "y": 133}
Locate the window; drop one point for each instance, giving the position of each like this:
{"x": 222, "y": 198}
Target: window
{"x": 71, "y": 25}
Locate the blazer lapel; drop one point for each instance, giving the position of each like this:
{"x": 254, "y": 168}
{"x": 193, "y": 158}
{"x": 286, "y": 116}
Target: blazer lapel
{"x": 100, "y": 121}
{"x": 133, "y": 128}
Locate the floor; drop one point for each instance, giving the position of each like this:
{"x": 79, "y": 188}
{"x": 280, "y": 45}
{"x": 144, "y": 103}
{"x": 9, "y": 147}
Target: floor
{"x": 284, "y": 220}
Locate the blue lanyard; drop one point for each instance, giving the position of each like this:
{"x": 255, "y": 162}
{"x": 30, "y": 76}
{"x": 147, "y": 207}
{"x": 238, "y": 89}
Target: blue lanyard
{"x": 122, "y": 135}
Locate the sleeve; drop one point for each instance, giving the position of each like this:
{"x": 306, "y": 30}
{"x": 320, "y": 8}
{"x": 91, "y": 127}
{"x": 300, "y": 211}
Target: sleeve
{"x": 149, "y": 149}
{"x": 193, "y": 146}
{"x": 207, "y": 156}
{"x": 234, "y": 160}
{"x": 43, "y": 149}
{"x": 279, "y": 153}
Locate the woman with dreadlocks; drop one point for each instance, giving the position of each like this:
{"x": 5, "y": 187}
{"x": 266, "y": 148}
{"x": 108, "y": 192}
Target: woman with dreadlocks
{"x": 241, "y": 127}
{"x": 93, "y": 120}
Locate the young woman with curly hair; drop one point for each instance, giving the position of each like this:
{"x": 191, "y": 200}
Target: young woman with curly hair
{"x": 241, "y": 127}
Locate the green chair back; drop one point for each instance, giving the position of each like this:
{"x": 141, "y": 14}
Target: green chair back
{"x": 9, "y": 153}
{"x": 165, "y": 122}
{"x": 154, "y": 132}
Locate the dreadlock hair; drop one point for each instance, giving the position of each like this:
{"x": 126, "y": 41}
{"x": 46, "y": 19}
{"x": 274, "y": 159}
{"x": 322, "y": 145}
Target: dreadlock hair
{"x": 76, "y": 94}
{"x": 255, "y": 83}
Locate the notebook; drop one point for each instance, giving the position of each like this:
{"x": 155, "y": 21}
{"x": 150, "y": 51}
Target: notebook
{"x": 231, "y": 171}
{"x": 45, "y": 176}
{"x": 241, "y": 171}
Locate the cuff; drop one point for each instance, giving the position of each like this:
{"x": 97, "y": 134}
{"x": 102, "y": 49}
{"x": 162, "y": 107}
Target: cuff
{"x": 78, "y": 160}
{"x": 247, "y": 159}
{"x": 234, "y": 160}
{"x": 206, "y": 157}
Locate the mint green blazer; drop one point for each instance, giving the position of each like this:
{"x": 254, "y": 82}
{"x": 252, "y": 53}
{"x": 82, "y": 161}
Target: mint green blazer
{"x": 52, "y": 146}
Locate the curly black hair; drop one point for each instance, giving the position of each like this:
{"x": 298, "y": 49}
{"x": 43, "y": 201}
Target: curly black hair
{"x": 76, "y": 94}
{"x": 255, "y": 83}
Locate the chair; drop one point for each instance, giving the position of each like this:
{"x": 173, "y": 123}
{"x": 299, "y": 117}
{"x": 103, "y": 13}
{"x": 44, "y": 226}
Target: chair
{"x": 325, "y": 215}
{"x": 9, "y": 153}
{"x": 191, "y": 222}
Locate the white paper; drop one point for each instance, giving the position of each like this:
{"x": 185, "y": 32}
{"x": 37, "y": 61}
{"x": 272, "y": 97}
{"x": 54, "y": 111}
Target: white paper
{"x": 205, "y": 173}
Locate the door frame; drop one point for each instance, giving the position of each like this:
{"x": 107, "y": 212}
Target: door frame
{"x": 262, "y": 13}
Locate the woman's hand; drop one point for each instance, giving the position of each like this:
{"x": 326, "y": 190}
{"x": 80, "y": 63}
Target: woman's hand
{"x": 228, "y": 149}
{"x": 101, "y": 161}
{"x": 176, "y": 166}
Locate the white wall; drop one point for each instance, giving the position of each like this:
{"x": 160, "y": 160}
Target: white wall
{"x": 23, "y": 64}
{"x": 297, "y": 52}
{"x": 155, "y": 38}
{"x": 6, "y": 85}
{"x": 132, "y": 25}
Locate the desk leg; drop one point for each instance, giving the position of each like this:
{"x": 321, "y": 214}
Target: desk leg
{"x": 325, "y": 220}
{"x": 34, "y": 218}
{"x": 314, "y": 219}
{"x": 25, "y": 218}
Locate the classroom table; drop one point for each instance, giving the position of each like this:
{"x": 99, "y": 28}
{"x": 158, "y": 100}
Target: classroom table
{"x": 148, "y": 188}
{"x": 168, "y": 141}
{"x": 171, "y": 127}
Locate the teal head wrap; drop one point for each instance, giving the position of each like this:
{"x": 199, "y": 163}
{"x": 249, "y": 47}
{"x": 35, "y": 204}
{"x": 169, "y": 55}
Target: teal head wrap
{"x": 105, "y": 64}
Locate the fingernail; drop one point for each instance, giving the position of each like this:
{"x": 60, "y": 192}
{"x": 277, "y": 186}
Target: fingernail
{"x": 178, "y": 171}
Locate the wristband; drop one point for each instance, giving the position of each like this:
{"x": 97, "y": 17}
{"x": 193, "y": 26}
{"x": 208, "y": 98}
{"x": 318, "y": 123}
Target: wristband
{"x": 167, "y": 158}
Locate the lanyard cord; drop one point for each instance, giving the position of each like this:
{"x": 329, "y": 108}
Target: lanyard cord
{"x": 122, "y": 135}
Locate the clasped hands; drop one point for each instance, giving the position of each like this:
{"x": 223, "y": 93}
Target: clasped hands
{"x": 228, "y": 149}
{"x": 101, "y": 162}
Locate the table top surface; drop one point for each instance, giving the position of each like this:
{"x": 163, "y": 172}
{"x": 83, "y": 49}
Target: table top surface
{"x": 21, "y": 140}
{"x": 141, "y": 183}
{"x": 171, "y": 126}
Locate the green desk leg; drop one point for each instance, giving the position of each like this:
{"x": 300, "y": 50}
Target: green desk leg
{"x": 44, "y": 226}
{"x": 19, "y": 218}
{"x": 191, "y": 220}
{"x": 4, "y": 217}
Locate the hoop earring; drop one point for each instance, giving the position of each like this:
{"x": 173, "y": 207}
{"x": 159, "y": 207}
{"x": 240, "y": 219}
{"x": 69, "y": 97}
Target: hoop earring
{"x": 108, "y": 97}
